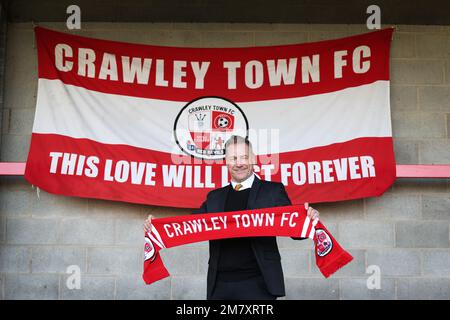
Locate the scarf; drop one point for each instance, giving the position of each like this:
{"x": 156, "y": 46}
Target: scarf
{"x": 287, "y": 221}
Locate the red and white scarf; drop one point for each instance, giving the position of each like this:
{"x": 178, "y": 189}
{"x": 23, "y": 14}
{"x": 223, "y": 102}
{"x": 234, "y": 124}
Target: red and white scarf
{"x": 288, "y": 221}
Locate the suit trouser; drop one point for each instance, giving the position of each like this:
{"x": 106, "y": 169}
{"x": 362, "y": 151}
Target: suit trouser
{"x": 250, "y": 289}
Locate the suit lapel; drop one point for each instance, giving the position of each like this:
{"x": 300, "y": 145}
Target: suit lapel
{"x": 253, "y": 193}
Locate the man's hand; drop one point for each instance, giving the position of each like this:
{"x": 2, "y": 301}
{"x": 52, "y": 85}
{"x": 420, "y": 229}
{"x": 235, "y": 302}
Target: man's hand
{"x": 311, "y": 212}
{"x": 148, "y": 223}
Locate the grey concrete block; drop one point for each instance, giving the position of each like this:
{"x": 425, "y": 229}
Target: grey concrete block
{"x": 314, "y": 36}
{"x": 115, "y": 261}
{"x": 435, "y": 207}
{"x": 199, "y": 26}
{"x": 240, "y": 27}
{"x": 421, "y": 234}
{"x": 15, "y": 203}
{"x": 434, "y": 152}
{"x": 287, "y": 242}
{"x": 181, "y": 261}
{"x": 19, "y": 82}
{"x": 49, "y": 205}
{"x": 116, "y": 34}
{"x": 31, "y": 231}
{"x": 436, "y": 262}
{"x": 432, "y": 125}
{"x": 423, "y": 289}
{"x": 393, "y": 207}
{"x": 418, "y": 125}
{"x": 114, "y": 209}
{"x": 14, "y": 148}
{"x": 447, "y": 71}
{"x": 420, "y": 186}
{"x": 189, "y": 288}
{"x": 311, "y": 289}
{"x": 406, "y": 124}
{"x": 2, "y": 229}
{"x": 434, "y": 98}
{"x": 295, "y": 262}
{"x": 203, "y": 259}
{"x": 129, "y": 232}
{"x": 5, "y": 115}
{"x": 403, "y": 45}
{"x": 31, "y": 287}
{"x": 132, "y": 287}
{"x": 395, "y": 262}
{"x": 2, "y": 284}
{"x": 403, "y": 98}
{"x": 57, "y": 259}
{"x": 197, "y": 245}
{"x": 21, "y": 69}
{"x": 14, "y": 259}
{"x": 183, "y": 38}
{"x": 333, "y": 27}
{"x": 448, "y": 125}
{"x": 20, "y": 43}
{"x": 406, "y": 151}
{"x": 21, "y": 121}
{"x": 87, "y": 231}
{"x": 356, "y": 289}
{"x": 107, "y": 26}
{"x": 432, "y": 45}
{"x": 416, "y": 72}
{"x": 418, "y": 28}
{"x": 216, "y": 39}
{"x": 14, "y": 183}
{"x": 331, "y": 212}
{"x": 355, "y": 268}
{"x": 91, "y": 288}
{"x": 279, "y": 38}
{"x": 365, "y": 234}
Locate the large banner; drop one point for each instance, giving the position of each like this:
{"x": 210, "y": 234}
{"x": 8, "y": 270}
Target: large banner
{"x": 148, "y": 124}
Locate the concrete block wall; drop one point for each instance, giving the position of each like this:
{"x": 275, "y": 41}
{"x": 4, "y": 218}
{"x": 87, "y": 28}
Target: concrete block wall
{"x": 3, "y": 25}
{"x": 405, "y": 232}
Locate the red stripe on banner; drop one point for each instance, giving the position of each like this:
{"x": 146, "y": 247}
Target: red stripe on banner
{"x": 81, "y": 167}
{"x": 175, "y": 74}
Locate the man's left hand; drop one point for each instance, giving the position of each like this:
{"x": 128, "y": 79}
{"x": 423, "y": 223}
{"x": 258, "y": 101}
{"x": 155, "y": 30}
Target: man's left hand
{"x": 311, "y": 212}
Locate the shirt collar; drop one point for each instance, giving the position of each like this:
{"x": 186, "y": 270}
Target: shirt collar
{"x": 247, "y": 183}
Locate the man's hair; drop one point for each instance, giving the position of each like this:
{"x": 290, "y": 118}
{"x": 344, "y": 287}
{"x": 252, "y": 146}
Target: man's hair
{"x": 235, "y": 139}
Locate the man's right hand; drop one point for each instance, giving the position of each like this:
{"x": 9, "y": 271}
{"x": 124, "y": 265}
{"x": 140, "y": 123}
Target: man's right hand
{"x": 148, "y": 223}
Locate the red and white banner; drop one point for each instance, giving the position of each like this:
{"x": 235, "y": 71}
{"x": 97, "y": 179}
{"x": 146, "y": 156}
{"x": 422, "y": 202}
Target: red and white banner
{"x": 148, "y": 124}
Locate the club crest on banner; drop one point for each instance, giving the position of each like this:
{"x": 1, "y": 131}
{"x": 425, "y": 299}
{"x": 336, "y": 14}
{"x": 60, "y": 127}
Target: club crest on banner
{"x": 204, "y": 125}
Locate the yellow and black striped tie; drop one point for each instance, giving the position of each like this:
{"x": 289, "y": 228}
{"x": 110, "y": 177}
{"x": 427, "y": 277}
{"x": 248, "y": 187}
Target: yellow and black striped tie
{"x": 238, "y": 187}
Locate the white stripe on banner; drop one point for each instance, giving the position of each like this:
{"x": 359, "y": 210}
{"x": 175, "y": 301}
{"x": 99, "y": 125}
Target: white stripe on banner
{"x": 80, "y": 113}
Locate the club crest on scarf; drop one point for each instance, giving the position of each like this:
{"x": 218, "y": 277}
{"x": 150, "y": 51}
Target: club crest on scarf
{"x": 204, "y": 125}
{"x": 149, "y": 250}
{"x": 324, "y": 243}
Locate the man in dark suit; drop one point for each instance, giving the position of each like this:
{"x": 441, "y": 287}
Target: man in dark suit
{"x": 247, "y": 267}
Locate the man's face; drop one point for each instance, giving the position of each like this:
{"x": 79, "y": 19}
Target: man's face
{"x": 239, "y": 161}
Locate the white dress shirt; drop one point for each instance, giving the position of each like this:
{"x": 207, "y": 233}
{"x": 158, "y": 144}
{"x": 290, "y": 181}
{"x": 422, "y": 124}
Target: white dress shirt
{"x": 247, "y": 183}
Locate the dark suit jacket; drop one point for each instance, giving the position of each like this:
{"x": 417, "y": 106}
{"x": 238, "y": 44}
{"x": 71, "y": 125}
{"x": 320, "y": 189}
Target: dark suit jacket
{"x": 263, "y": 194}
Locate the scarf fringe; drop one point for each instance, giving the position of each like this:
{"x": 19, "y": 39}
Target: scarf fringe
{"x": 336, "y": 264}
{"x": 156, "y": 274}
